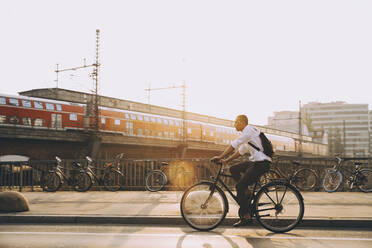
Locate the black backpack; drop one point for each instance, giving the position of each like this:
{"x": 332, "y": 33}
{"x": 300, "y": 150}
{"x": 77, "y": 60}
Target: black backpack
{"x": 266, "y": 144}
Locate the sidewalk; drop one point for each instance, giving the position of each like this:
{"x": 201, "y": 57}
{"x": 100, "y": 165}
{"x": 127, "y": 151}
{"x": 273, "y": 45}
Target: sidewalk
{"x": 343, "y": 209}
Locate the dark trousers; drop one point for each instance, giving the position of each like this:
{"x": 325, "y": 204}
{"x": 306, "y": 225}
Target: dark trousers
{"x": 251, "y": 172}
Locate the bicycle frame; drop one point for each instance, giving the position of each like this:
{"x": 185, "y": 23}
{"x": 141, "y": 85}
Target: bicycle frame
{"x": 103, "y": 171}
{"x": 217, "y": 180}
{"x": 288, "y": 177}
{"x": 347, "y": 172}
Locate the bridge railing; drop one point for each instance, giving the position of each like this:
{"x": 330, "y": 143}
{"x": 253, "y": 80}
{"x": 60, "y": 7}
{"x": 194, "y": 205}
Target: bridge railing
{"x": 28, "y": 176}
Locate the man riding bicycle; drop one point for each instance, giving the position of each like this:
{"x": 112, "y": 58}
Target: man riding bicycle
{"x": 259, "y": 163}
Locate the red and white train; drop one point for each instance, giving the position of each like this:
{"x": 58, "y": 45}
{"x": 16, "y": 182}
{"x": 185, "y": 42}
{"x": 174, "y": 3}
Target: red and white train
{"x": 30, "y": 112}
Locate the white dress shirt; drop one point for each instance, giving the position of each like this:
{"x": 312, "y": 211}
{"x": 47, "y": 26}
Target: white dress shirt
{"x": 250, "y": 134}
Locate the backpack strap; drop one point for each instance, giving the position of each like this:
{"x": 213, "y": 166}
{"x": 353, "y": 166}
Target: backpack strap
{"x": 255, "y": 147}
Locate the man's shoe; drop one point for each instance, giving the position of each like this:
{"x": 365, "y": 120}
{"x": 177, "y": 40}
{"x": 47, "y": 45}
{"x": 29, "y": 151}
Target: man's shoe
{"x": 241, "y": 222}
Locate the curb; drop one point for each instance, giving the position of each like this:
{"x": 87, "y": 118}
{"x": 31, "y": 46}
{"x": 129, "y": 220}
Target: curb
{"x": 165, "y": 220}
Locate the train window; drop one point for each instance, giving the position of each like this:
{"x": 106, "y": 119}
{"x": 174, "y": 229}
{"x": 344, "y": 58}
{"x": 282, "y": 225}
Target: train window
{"x": 26, "y": 103}
{"x": 171, "y": 122}
{"x": 165, "y": 133}
{"x": 211, "y": 133}
{"x": 139, "y": 131}
{"x": 73, "y": 117}
{"x": 166, "y": 122}
{"x": 103, "y": 120}
{"x": 58, "y": 107}
{"x": 146, "y": 118}
{"x": 49, "y": 106}
{"x": 2, "y": 119}
{"x": 204, "y": 132}
{"x": 171, "y": 135}
{"x": 177, "y": 123}
{"x": 2, "y": 100}
{"x": 147, "y": 132}
{"x": 159, "y": 120}
{"x": 38, "y": 122}
{"x": 140, "y": 117}
{"x": 26, "y": 121}
{"x": 133, "y": 117}
{"x": 14, "y": 120}
{"x": 117, "y": 122}
{"x": 153, "y": 119}
{"x": 13, "y": 101}
{"x": 126, "y": 116}
{"x": 160, "y": 134}
{"x": 38, "y": 105}
{"x": 188, "y": 130}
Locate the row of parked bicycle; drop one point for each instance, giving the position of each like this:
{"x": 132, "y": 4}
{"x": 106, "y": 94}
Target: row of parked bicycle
{"x": 306, "y": 179}
{"x": 82, "y": 177}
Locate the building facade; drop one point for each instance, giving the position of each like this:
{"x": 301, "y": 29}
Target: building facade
{"x": 345, "y": 127}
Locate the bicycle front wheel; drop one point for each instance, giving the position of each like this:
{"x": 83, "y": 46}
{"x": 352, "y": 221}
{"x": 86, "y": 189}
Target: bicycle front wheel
{"x": 305, "y": 179}
{"x": 203, "y": 209}
{"x": 365, "y": 180}
{"x": 279, "y": 207}
{"x": 52, "y": 182}
{"x": 113, "y": 180}
{"x": 83, "y": 182}
{"x": 155, "y": 181}
{"x": 332, "y": 180}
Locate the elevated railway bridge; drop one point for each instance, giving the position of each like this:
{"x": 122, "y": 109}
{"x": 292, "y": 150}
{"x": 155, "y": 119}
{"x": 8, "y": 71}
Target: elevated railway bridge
{"x": 42, "y": 123}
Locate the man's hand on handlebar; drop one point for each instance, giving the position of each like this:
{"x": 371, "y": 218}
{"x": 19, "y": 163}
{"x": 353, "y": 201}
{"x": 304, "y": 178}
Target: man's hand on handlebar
{"x": 215, "y": 159}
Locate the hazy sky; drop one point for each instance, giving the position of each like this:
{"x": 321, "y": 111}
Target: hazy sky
{"x": 251, "y": 57}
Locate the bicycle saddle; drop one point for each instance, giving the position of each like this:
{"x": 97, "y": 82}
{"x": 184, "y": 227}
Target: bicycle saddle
{"x": 296, "y": 162}
{"x": 164, "y": 163}
{"x": 358, "y": 163}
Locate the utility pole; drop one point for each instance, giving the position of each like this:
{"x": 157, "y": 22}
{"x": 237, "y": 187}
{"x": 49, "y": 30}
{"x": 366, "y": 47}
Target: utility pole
{"x": 344, "y": 129}
{"x": 300, "y": 130}
{"x": 184, "y": 123}
{"x": 95, "y": 79}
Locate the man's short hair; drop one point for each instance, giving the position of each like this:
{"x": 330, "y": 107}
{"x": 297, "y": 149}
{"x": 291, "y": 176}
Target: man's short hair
{"x": 243, "y": 118}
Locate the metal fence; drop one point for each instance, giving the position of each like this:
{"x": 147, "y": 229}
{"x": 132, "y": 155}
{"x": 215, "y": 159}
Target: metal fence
{"x": 28, "y": 176}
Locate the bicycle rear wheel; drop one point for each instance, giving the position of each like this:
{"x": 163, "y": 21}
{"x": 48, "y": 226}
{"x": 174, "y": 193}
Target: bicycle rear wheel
{"x": 155, "y": 181}
{"x": 305, "y": 179}
{"x": 52, "y": 182}
{"x": 332, "y": 180}
{"x": 113, "y": 180}
{"x": 201, "y": 209}
{"x": 365, "y": 180}
{"x": 279, "y": 206}
{"x": 83, "y": 182}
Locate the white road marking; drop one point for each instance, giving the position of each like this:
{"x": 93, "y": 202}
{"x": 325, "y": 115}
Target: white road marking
{"x": 185, "y": 234}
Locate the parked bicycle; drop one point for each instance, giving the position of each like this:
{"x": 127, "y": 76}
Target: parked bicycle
{"x": 109, "y": 176}
{"x": 79, "y": 179}
{"x": 277, "y": 206}
{"x": 304, "y": 178}
{"x": 358, "y": 177}
{"x": 157, "y": 179}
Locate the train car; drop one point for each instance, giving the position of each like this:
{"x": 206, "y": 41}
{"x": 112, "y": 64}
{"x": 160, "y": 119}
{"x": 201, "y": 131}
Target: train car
{"x": 40, "y": 113}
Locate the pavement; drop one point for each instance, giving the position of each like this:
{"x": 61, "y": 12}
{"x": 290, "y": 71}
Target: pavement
{"x": 322, "y": 209}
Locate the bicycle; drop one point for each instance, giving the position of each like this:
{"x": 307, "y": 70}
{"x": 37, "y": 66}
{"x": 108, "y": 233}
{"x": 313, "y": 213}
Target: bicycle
{"x": 110, "y": 175}
{"x": 361, "y": 178}
{"x": 157, "y": 179}
{"x": 79, "y": 178}
{"x": 304, "y": 179}
{"x": 277, "y": 206}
